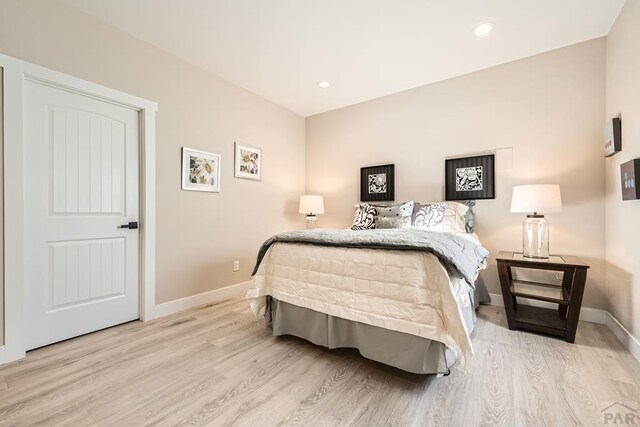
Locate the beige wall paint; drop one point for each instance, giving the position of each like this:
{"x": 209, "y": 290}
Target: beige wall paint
{"x": 546, "y": 110}
{"x": 622, "y": 229}
{"x": 198, "y": 234}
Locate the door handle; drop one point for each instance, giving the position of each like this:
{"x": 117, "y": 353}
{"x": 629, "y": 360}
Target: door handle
{"x": 130, "y": 226}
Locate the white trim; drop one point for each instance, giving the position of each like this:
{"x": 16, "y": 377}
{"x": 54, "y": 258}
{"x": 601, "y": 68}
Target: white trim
{"x": 15, "y": 73}
{"x": 215, "y": 295}
{"x": 148, "y": 214}
{"x": 587, "y": 314}
{"x": 624, "y": 336}
{"x": 14, "y": 347}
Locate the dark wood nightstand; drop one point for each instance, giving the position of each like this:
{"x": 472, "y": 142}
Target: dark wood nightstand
{"x": 562, "y": 322}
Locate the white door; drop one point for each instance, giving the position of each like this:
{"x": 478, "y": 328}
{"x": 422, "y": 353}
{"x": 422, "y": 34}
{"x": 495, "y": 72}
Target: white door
{"x": 81, "y": 185}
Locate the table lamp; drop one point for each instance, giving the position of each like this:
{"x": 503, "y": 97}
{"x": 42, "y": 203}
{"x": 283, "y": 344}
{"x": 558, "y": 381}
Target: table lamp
{"x": 535, "y": 200}
{"x": 311, "y": 205}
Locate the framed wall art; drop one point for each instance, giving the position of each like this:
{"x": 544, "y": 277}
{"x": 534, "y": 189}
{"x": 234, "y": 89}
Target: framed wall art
{"x": 248, "y": 162}
{"x": 613, "y": 137}
{"x": 200, "y": 170}
{"x": 470, "y": 178}
{"x": 629, "y": 173}
{"x": 377, "y": 183}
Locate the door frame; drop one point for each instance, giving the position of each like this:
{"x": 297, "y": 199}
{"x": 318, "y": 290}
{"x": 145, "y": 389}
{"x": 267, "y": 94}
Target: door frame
{"x": 15, "y": 73}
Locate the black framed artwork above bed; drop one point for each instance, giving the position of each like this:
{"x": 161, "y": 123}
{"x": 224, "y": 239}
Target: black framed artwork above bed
{"x": 377, "y": 183}
{"x": 470, "y": 178}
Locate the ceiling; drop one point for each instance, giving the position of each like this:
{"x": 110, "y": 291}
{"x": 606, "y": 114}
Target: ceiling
{"x": 281, "y": 49}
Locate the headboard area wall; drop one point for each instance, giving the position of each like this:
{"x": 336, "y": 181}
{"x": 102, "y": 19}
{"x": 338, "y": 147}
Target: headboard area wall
{"x": 542, "y": 117}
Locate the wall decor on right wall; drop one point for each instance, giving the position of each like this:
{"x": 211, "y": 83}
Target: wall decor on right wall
{"x": 613, "y": 137}
{"x": 470, "y": 178}
{"x": 629, "y": 172}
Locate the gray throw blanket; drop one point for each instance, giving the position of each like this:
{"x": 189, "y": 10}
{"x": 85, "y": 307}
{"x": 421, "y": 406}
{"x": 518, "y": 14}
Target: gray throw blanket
{"x": 457, "y": 253}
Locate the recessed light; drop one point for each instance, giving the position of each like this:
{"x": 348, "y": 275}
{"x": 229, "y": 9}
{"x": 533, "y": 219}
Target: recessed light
{"x": 483, "y": 29}
{"x": 323, "y": 84}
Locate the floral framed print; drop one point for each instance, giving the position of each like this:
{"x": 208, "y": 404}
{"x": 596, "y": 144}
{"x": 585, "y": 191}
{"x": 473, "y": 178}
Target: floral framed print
{"x": 470, "y": 178}
{"x": 200, "y": 170}
{"x": 377, "y": 183}
{"x": 248, "y": 162}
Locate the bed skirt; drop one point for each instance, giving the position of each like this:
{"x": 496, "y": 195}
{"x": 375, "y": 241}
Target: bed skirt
{"x": 403, "y": 351}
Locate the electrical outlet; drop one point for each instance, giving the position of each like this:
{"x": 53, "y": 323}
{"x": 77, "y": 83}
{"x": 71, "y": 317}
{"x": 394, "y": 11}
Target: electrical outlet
{"x": 236, "y": 265}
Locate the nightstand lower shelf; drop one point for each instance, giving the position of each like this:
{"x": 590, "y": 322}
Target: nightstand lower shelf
{"x": 538, "y": 319}
{"x": 561, "y": 322}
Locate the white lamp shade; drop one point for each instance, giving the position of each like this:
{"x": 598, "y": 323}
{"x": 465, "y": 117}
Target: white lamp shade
{"x": 536, "y": 199}
{"x": 311, "y": 205}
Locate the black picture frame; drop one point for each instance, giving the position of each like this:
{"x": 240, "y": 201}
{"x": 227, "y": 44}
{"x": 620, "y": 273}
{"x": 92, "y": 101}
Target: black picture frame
{"x": 613, "y": 137}
{"x": 374, "y": 193}
{"x": 629, "y": 174}
{"x": 462, "y": 181}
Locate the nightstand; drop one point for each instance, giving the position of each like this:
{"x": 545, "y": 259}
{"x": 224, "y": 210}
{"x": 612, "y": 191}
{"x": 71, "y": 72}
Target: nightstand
{"x": 561, "y": 322}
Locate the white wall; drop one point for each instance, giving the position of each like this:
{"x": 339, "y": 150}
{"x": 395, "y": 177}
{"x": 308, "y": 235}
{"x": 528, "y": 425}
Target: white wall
{"x": 623, "y": 217}
{"x": 198, "y": 234}
{"x": 547, "y": 111}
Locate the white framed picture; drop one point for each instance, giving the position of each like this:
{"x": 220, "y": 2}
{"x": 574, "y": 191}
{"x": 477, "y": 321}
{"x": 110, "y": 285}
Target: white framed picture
{"x": 248, "y": 162}
{"x": 200, "y": 170}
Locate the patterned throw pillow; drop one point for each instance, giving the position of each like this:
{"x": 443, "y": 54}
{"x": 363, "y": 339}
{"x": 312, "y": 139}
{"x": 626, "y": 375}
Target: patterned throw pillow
{"x": 454, "y": 218}
{"x": 428, "y": 217}
{"x": 393, "y": 222}
{"x": 365, "y": 218}
{"x": 395, "y": 210}
{"x": 394, "y": 216}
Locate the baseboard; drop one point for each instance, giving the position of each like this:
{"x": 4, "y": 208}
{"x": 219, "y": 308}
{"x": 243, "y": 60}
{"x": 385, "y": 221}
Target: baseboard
{"x": 624, "y": 336}
{"x": 587, "y": 314}
{"x": 171, "y": 307}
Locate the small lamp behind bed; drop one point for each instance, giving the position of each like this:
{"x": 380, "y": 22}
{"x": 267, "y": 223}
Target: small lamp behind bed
{"x": 311, "y": 205}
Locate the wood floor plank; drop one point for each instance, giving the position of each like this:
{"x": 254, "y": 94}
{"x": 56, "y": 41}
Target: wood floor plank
{"x": 218, "y": 365}
{"x": 281, "y": 395}
{"x": 534, "y": 393}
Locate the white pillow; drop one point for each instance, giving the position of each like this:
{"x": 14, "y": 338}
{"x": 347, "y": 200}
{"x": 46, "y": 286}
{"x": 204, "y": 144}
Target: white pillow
{"x": 454, "y": 221}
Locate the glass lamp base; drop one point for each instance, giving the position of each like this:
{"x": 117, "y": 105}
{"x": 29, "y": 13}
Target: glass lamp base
{"x": 535, "y": 237}
{"x": 312, "y": 222}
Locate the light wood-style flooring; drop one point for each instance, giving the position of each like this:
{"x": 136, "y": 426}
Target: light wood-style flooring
{"x": 218, "y": 365}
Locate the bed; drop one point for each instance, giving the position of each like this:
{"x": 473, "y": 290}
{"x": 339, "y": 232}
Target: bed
{"x": 402, "y": 297}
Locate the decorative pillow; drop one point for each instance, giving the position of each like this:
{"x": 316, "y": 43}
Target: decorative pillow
{"x": 393, "y": 222}
{"x": 458, "y": 218}
{"x": 428, "y": 217}
{"x": 395, "y": 210}
{"x": 455, "y": 218}
{"x": 394, "y": 216}
{"x": 365, "y": 218}
{"x": 469, "y": 221}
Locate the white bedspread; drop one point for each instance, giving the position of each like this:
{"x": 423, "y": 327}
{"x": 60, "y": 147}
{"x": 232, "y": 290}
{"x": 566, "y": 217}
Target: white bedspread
{"x": 405, "y": 291}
